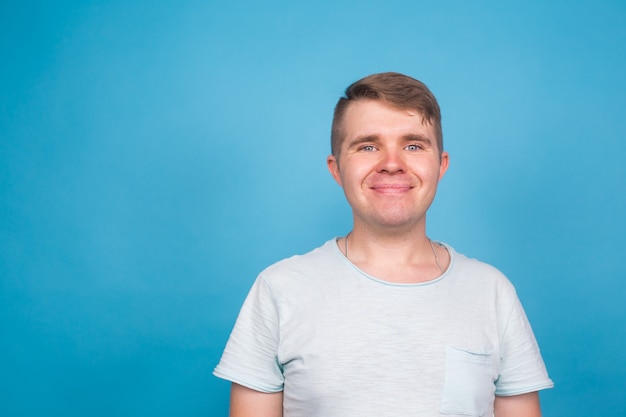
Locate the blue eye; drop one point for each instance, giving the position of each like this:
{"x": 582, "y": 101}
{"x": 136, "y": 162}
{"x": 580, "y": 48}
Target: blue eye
{"x": 368, "y": 148}
{"x": 413, "y": 147}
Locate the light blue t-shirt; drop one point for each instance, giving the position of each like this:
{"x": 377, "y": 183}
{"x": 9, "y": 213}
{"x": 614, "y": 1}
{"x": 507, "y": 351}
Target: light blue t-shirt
{"x": 342, "y": 343}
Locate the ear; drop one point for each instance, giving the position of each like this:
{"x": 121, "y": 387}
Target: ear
{"x": 333, "y": 168}
{"x": 443, "y": 164}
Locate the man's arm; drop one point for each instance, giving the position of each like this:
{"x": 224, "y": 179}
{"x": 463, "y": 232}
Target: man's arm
{"x": 245, "y": 402}
{"x": 523, "y": 405}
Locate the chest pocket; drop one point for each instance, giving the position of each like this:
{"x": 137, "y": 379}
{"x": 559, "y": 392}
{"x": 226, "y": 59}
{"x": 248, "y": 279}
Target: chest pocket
{"x": 468, "y": 387}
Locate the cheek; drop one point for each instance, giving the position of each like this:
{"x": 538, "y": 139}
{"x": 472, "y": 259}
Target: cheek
{"x": 430, "y": 171}
{"x": 354, "y": 178}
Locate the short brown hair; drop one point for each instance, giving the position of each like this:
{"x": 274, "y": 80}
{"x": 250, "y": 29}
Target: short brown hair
{"x": 397, "y": 90}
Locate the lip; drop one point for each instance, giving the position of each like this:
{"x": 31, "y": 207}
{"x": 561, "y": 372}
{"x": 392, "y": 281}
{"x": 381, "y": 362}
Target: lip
{"x": 391, "y": 188}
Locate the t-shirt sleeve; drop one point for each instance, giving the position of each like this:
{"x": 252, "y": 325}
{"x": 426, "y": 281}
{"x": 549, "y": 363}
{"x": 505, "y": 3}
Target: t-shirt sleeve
{"x": 522, "y": 369}
{"x": 250, "y": 357}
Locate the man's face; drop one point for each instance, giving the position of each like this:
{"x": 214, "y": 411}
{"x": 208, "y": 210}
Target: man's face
{"x": 389, "y": 165}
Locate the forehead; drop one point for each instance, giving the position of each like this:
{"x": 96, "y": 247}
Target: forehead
{"x": 374, "y": 117}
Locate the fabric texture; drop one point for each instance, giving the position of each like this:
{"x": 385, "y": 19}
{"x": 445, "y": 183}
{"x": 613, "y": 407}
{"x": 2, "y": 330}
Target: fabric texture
{"x": 339, "y": 342}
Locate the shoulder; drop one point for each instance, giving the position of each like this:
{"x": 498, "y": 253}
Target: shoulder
{"x": 485, "y": 284}
{"x": 302, "y": 262}
{"x": 476, "y": 273}
{"x": 310, "y": 267}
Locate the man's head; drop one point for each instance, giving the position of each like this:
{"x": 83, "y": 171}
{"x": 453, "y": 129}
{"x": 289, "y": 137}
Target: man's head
{"x": 394, "y": 89}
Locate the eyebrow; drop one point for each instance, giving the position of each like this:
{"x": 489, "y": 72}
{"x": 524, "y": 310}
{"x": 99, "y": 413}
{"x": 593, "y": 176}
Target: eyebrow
{"x": 375, "y": 138}
{"x": 412, "y": 137}
{"x": 363, "y": 139}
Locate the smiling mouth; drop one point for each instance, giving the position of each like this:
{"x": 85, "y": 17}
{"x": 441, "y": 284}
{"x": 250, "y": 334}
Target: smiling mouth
{"x": 391, "y": 188}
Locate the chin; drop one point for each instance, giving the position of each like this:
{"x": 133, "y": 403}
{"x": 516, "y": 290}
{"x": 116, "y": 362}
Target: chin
{"x": 396, "y": 222}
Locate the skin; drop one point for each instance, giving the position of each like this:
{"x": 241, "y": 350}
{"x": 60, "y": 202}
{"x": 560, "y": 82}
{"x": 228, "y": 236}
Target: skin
{"x": 245, "y": 402}
{"x": 523, "y": 405}
{"x": 389, "y": 167}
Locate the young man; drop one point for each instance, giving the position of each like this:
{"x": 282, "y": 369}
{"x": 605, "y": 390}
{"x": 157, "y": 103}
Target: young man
{"x": 384, "y": 321}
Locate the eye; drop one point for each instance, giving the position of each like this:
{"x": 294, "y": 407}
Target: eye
{"x": 413, "y": 147}
{"x": 367, "y": 148}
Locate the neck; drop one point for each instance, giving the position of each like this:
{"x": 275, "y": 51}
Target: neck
{"x": 411, "y": 236}
{"x": 396, "y": 248}
{"x": 399, "y": 258}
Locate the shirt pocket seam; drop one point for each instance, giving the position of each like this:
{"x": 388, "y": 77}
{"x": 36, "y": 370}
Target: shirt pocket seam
{"x": 468, "y": 384}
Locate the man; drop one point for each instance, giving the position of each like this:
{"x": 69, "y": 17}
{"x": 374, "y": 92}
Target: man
{"x": 384, "y": 321}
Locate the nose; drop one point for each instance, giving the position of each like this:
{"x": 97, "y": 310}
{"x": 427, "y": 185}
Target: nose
{"x": 391, "y": 162}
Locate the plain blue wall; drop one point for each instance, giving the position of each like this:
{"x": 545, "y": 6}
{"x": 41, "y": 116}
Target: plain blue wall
{"x": 154, "y": 158}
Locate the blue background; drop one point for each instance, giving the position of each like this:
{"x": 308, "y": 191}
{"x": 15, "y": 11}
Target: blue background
{"x": 155, "y": 157}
